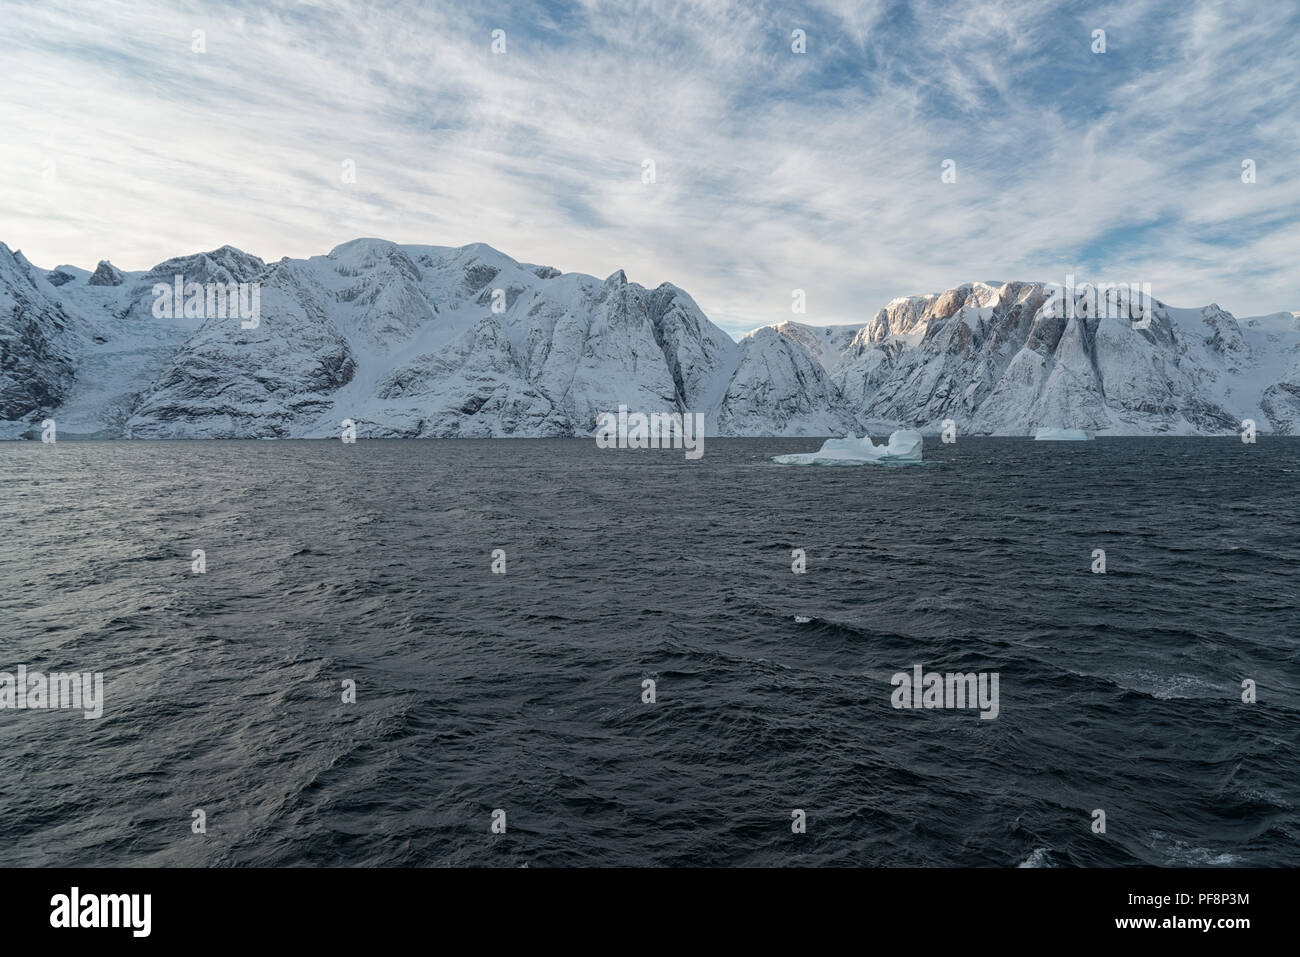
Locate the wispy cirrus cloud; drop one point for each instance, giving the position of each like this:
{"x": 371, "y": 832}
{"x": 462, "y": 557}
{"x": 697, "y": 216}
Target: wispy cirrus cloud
{"x": 774, "y": 170}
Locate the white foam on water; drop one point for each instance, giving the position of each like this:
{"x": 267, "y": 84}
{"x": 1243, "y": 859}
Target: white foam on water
{"x": 1037, "y": 859}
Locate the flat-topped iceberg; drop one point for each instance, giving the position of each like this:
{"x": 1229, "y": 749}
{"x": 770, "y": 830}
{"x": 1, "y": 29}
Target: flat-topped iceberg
{"x": 903, "y": 446}
{"x": 1061, "y": 435}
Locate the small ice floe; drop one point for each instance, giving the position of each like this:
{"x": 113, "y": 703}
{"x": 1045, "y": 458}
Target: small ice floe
{"x": 801, "y": 619}
{"x": 1061, "y": 435}
{"x": 903, "y": 446}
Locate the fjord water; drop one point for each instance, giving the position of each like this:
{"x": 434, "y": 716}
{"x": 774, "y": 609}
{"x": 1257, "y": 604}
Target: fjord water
{"x": 371, "y": 562}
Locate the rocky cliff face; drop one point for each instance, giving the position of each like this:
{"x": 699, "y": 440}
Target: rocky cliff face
{"x": 39, "y": 342}
{"x": 1004, "y": 360}
{"x": 778, "y": 388}
{"x": 437, "y": 341}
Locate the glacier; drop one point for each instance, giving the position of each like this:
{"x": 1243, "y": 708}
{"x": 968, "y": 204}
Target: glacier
{"x": 1061, "y": 435}
{"x": 438, "y": 341}
{"x": 904, "y": 445}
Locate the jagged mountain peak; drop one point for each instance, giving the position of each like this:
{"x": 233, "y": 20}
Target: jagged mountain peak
{"x": 224, "y": 264}
{"x": 106, "y": 274}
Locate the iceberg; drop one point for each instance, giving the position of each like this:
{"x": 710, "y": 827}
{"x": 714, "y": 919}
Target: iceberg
{"x": 1061, "y": 435}
{"x": 903, "y": 446}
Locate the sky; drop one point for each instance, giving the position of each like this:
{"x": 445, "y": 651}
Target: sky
{"x": 287, "y": 128}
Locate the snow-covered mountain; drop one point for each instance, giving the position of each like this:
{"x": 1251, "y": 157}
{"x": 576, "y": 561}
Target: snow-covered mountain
{"x": 403, "y": 340}
{"x": 444, "y": 341}
{"x": 1004, "y": 359}
{"x": 40, "y": 341}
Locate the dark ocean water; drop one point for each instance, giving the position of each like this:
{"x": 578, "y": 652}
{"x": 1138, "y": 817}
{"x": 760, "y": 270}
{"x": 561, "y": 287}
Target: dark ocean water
{"x": 522, "y": 691}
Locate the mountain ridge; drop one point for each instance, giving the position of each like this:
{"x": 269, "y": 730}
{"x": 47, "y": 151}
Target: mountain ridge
{"x": 438, "y": 341}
